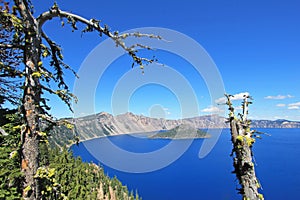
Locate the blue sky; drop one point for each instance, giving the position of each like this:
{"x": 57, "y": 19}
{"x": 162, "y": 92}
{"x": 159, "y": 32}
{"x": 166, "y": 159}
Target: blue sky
{"x": 254, "y": 44}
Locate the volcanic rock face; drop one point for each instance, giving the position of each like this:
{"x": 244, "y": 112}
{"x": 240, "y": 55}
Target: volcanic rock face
{"x": 103, "y": 124}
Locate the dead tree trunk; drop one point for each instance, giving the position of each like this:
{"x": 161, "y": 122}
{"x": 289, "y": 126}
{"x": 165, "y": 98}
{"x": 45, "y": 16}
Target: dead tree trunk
{"x": 38, "y": 77}
{"x": 30, "y": 137}
{"x": 31, "y": 102}
{"x": 242, "y": 139}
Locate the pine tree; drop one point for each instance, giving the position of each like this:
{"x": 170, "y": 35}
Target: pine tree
{"x": 10, "y": 175}
{"x": 24, "y": 48}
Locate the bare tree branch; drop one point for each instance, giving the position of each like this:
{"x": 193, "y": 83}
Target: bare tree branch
{"x": 55, "y": 49}
{"x": 23, "y": 28}
{"x": 11, "y": 46}
{"x": 95, "y": 24}
{"x": 64, "y": 95}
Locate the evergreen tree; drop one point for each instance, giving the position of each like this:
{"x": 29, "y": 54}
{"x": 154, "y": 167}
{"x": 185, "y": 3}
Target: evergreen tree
{"x": 10, "y": 174}
{"x": 24, "y": 48}
{"x": 61, "y": 177}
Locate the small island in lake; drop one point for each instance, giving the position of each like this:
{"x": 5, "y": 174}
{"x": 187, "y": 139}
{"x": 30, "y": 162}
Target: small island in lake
{"x": 183, "y": 131}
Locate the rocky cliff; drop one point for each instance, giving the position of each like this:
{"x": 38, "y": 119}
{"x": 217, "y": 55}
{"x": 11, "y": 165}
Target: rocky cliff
{"x": 103, "y": 124}
{"x": 106, "y": 124}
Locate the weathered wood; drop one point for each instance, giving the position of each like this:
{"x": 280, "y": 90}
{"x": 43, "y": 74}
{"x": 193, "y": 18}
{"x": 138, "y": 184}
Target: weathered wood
{"x": 242, "y": 141}
{"x": 30, "y": 102}
{"x": 37, "y": 77}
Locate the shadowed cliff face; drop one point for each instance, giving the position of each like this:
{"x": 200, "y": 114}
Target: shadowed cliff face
{"x": 103, "y": 124}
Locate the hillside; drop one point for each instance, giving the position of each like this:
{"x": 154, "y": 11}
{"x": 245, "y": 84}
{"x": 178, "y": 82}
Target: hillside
{"x": 103, "y": 124}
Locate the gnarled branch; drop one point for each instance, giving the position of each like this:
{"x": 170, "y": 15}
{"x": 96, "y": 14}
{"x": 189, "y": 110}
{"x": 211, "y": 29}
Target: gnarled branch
{"x": 94, "y": 24}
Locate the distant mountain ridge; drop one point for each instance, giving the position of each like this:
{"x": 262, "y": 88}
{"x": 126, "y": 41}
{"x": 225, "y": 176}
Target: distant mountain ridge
{"x": 105, "y": 124}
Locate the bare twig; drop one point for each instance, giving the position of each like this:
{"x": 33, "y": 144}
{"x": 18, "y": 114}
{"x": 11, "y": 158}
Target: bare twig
{"x": 95, "y": 25}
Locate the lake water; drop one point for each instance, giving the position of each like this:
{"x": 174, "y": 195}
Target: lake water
{"x": 277, "y": 158}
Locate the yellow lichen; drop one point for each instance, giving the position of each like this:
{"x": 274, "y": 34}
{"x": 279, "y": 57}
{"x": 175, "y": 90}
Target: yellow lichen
{"x": 240, "y": 138}
{"x": 250, "y": 141}
{"x": 36, "y": 74}
{"x": 261, "y": 197}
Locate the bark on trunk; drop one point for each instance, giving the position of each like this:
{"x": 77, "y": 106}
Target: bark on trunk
{"x": 31, "y": 103}
{"x": 242, "y": 141}
{"x": 30, "y": 137}
{"x": 30, "y": 164}
{"x": 243, "y": 165}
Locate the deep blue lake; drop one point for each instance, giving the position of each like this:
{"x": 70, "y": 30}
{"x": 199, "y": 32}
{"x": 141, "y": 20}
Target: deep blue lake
{"x": 189, "y": 177}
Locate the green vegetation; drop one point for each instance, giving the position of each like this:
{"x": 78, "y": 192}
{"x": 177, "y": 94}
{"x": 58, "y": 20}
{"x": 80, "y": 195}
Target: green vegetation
{"x": 10, "y": 174}
{"x": 183, "y": 131}
{"x": 80, "y": 180}
{"x": 32, "y": 65}
{"x": 61, "y": 176}
{"x": 61, "y": 136}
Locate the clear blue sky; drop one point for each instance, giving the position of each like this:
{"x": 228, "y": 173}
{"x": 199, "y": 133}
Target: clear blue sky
{"x": 254, "y": 44}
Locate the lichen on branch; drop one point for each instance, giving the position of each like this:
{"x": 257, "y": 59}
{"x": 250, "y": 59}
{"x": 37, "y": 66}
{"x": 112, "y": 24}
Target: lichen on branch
{"x": 243, "y": 138}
